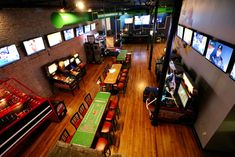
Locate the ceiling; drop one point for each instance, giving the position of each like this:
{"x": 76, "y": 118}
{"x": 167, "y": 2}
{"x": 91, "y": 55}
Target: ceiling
{"x": 95, "y": 5}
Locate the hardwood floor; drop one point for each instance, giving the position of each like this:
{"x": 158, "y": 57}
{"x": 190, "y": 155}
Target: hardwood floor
{"x": 135, "y": 137}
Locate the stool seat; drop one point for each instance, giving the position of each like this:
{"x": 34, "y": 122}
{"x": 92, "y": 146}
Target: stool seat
{"x": 107, "y": 127}
{"x": 114, "y": 100}
{"x": 122, "y": 79}
{"x": 124, "y": 70}
{"x": 123, "y": 75}
{"x": 120, "y": 85}
{"x": 101, "y": 144}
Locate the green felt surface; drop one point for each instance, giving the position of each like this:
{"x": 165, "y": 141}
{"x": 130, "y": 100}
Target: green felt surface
{"x": 122, "y": 55}
{"x": 87, "y": 129}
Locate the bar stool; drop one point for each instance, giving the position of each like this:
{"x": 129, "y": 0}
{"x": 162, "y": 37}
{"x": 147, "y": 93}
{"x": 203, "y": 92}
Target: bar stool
{"x": 103, "y": 146}
{"x": 114, "y": 105}
{"x": 76, "y": 120}
{"x": 88, "y": 99}
{"x": 107, "y": 131}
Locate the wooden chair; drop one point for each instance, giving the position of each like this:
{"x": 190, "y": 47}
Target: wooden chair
{"x": 65, "y": 136}
{"x": 88, "y": 99}
{"x": 82, "y": 109}
{"x": 76, "y": 120}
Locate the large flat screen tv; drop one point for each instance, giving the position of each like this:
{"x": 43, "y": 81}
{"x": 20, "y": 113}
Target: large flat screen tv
{"x": 54, "y": 39}
{"x": 128, "y": 20}
{"x": 34, "y": 45}
{"x": 232, "y": 74}
{"x": 199, "y": 42}
{"x": 52, "y": 68}
{"x": 137, "y": 20}
{"x": 87, "y": 28}
{"x": 68, "y": 34}
{"x": 142, "y": 20}
{"x": 219, "y": 54}
{"x": 187, "y": 36}
{"x": 180, "y": 31}
{"x": 8, "y": 54}
{"x": 79, "y": 31}
{"x": 93, "y": 26}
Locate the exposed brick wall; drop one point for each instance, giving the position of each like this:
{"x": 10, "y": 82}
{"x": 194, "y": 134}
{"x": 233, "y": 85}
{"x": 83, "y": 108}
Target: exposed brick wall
{"x": 17, "y": 25}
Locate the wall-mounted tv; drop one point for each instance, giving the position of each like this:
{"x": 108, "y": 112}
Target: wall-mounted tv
{"x": 54, "y": 39}
{"x": 199, "y": 42}
{"x": 219, "y": 54}
{"x": 128, "y": 20}
{"x": 232, "y": 74}
{"x": 183, "y": 95}
{"x": 79, "y": 31}
{"x": 188, "y": 33}
{"x": 78, "y": 61}
{"x": 66, "y": 62}
{"x": 34, "y": 45}
{"x": 8, "y": 54}
{"x": 180, "y": 31}
{"x": 93, "y": 26}
{"x": 87, "y": 28}
{"x": 68, "y": 34}
{"x": 142, "y": 20}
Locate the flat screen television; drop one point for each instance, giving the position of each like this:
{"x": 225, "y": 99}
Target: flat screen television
{"x": 232, "y": 74}
{"x": 54, "y": 39}
{"x": 79, "y": 31}
{"x": 180, "y": 31}
{"x": 8, "y": 54}
{"x": 71, "y": 60}
{"x": 52, "y": 68}
{"x": 137, "y": 20}
{"x": 87, "y": 28}
{"x": 184, "y": 97}
{"x": 199, "y": 42}
{"x": 34, "y": 45}
{"x": 128, "y": 20}
{"x": 219, "y": 54}
{"x": 68, "y": 34}
{"x": 145, "y": 19}
{"x": 96, "y": 35}
{"x": 78, "y": 61}
{"x": 93, "y": 26}
{"x": 188, "y": 33}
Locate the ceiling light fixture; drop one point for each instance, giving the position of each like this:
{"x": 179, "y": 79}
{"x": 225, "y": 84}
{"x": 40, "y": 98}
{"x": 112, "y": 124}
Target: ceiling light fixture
{"x": 80, "y": 5}
{"x": 89, "y": 10}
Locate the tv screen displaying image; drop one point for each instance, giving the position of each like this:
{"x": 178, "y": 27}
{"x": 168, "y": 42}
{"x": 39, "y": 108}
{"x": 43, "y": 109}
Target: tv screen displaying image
{"x": 68, "y": 34}
{"x": 145, "y": 19}
{"x": 128, "y": 20}
{"x": 232, "y": 74}
{"x": 52, "y": 68}
{"x": 79, "y": 31}
{"x": 188, "y": 35}
{"x": 219, "y": 54}
{"x": 54, "y": 39}
{"x": 8, "y": 54}
{"x": 199, "y": 42}
{"x": 34, "y": 45}
{"x": 66, "y": 62}
{"x": 93, "y": 26}
{"x": 77, "y": 60}
{"x": 180, "y": 31}
{"x": 137, "y": 20}
{"x": 183, "y": 95}
{"x": 87, "y": 28}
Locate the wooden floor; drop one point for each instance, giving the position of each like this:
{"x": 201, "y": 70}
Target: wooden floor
{"x": 136, "y": 137}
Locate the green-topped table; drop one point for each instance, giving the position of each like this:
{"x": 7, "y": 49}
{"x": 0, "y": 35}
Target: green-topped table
{"x": 122, "y": 55}
{"x": 86, "y": 131}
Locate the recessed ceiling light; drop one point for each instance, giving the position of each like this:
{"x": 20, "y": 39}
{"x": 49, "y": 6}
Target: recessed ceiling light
{"x": 80, "y": 5}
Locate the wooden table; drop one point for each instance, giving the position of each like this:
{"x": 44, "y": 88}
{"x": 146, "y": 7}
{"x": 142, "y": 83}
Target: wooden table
{"x": 86, "y": 131}
{"x": 112, "y": 76}
{"x": 122, "y": 55}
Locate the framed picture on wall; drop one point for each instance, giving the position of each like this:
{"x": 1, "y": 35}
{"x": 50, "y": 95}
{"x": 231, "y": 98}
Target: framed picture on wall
{"x": 199, "y": 42}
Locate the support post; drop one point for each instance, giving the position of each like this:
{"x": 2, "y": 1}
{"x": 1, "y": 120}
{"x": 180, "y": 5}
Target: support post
{"x": 170, "y": 41}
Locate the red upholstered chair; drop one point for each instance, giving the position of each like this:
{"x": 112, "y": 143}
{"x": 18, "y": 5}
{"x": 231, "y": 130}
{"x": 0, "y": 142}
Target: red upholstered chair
{"x": 65, "y": 136}
{"x": 107, "y": 131}
{"x": 76, "y": 120}
{"x": 111, "y": 117}
{"x": 120, "y": 86}
{"x": 103, "y": 146}
{"x": 82, "y": 109}
{"x": 88, "y": 99}
{"x": 114, "y": 105}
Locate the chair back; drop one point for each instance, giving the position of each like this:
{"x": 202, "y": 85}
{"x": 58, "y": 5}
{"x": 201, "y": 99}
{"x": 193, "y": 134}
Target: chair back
{"x": 64, "y": 136}
{"x": 76, "y": 120}
{"x": 82, "y": 109}
{"x": 88, "y": 99}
